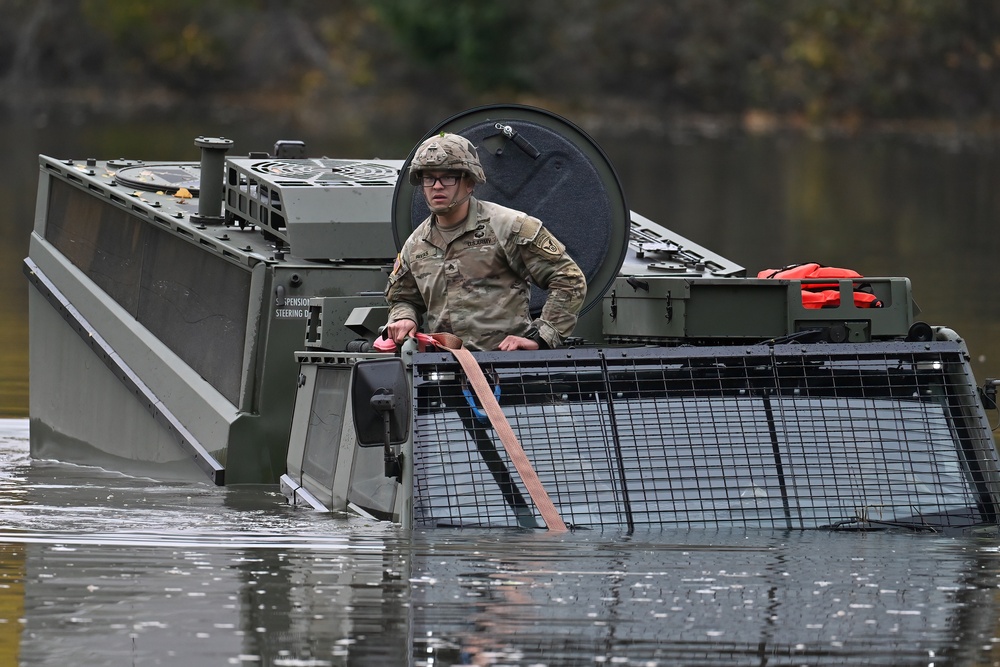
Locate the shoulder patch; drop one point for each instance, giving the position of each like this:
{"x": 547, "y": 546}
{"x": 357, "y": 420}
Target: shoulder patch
{"x": 399, "y": 269}
{"x": 548, "y": 244}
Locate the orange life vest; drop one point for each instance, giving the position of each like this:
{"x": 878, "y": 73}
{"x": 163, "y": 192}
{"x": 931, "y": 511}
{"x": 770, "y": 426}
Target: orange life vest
{"x": 824, "y": 295}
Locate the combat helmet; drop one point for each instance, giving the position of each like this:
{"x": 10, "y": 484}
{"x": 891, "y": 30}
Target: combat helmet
{"x": 446, "y": 151}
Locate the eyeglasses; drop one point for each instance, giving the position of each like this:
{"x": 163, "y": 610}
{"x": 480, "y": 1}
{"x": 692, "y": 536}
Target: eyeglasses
{"x": 447, "y": 180}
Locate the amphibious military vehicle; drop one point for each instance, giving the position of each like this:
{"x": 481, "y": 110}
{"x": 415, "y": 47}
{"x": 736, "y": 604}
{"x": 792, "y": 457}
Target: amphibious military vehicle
{"x": 219, "y": 317}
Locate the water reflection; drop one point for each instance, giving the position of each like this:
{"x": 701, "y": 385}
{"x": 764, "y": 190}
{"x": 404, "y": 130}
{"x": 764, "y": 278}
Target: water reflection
{"x": 707, "y": 599}
{"x": 97, "y": 568}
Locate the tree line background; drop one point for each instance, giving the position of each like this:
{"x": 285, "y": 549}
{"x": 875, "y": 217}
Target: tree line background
{"x": 757, "y": 64}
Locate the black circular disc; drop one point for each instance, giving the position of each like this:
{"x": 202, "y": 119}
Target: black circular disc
{"x": 544, "y": 165}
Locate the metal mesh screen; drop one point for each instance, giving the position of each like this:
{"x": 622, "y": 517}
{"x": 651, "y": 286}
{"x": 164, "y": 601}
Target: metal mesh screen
{"x": 793, "y": 437}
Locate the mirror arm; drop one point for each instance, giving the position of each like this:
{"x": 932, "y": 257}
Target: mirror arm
{"x": 384, "y": 402}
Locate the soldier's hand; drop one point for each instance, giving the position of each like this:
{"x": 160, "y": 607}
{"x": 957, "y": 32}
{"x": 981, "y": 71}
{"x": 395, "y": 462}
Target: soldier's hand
{"x": 400, "y": 330}
{"x": 517, "y": 343}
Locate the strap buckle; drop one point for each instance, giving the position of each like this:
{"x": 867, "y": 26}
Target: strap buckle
{"x": 470, "y": 397}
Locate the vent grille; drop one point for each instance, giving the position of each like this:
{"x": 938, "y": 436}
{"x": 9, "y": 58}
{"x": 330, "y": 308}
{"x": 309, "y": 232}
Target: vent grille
{"x": 253, "y": 189}
{"x": 328, "y": 172}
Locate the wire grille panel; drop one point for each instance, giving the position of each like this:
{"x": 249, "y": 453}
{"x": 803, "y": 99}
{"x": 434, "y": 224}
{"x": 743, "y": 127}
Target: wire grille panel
{"x": 790, "y": 437}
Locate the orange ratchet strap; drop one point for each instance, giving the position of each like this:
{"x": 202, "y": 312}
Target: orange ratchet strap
{"x": 500, "y": 424}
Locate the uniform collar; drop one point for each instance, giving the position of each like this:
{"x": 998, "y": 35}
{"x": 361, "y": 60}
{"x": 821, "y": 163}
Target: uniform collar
{"x": 472, "y": 221}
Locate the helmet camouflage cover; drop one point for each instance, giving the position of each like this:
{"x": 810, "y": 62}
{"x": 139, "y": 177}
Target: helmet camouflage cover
{"x": 446, "y": 152}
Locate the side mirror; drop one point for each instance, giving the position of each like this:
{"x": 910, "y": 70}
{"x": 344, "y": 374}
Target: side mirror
{"x": 380, "y": 396}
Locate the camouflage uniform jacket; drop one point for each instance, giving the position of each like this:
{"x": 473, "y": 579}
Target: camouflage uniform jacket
{"x": 477, "y": 286}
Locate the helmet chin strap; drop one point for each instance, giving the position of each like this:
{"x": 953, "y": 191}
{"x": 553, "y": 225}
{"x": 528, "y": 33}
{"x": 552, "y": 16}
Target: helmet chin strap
{"x": 459, "y": 201}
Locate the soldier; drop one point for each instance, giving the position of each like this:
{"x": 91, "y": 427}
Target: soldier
{"x": 468, "y": 267}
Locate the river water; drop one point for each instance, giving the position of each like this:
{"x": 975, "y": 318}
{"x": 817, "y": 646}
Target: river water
{"x": 98, "y": 568}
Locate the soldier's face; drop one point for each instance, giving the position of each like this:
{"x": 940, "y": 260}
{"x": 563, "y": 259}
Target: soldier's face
{"x": 442, "y": 188}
